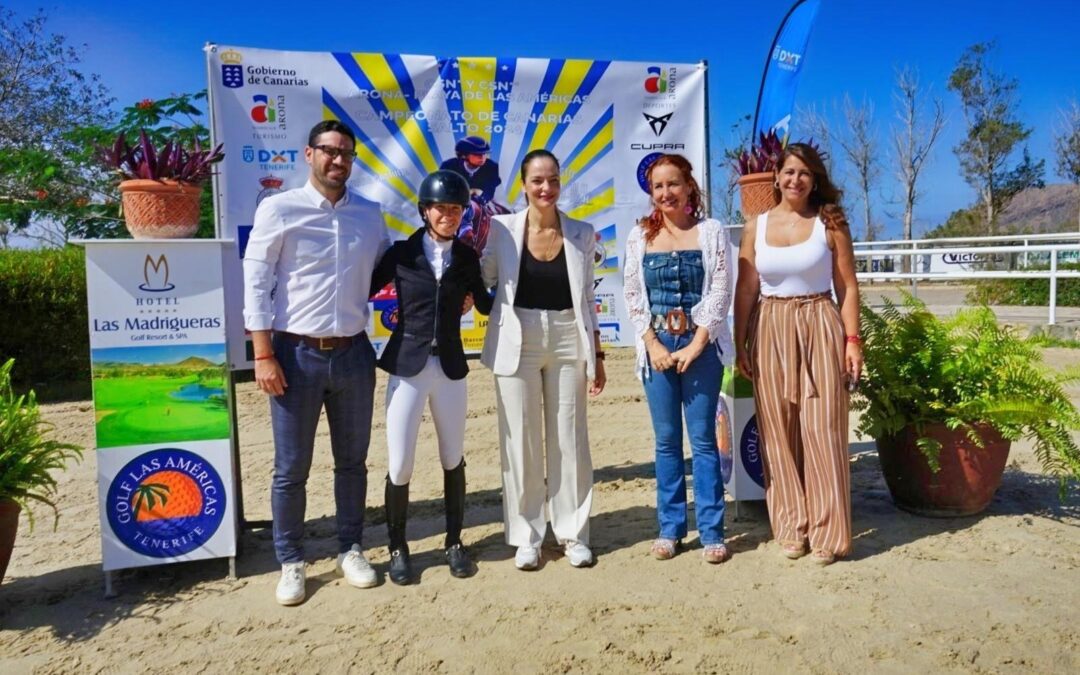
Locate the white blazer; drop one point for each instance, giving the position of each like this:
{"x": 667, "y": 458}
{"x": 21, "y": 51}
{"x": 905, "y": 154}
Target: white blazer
{"x": 501, "y": 264}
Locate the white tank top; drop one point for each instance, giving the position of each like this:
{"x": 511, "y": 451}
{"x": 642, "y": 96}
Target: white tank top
{"x": 800, "y": 269}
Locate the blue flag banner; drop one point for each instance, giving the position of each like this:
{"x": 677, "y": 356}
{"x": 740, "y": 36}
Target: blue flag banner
{"x": 776, "y": 99}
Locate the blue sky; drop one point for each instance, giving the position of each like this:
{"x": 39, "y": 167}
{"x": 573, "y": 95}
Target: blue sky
{"x": 153, "y": 49}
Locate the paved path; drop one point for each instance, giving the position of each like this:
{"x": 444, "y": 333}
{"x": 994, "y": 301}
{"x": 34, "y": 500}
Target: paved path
{"x": 946, "y": 299}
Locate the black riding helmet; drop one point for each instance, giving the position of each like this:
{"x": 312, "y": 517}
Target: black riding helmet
{"x": 443, "y": 187}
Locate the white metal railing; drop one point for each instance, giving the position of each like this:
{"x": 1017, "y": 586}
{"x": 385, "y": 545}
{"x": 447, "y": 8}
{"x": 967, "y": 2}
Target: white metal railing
{"x": 937, "y": 244}
{"x": 920, "y": 258}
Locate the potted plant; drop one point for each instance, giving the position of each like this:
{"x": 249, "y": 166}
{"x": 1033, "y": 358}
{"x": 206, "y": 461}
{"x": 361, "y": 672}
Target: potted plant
{"x": 161, "y": 184}
{"x": 944, "y": 399}
{"x": 26, "y": 459}
{"x": 755, "y": 167}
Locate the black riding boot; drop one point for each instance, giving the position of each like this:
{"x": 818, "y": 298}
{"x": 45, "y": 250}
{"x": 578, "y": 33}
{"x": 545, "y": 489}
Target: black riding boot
{"x": 397, "y": 514}
{"x": 461, "y": 565}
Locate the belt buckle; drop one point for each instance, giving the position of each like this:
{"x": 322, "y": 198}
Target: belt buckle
{"x": 675, "y": 321}
{"x": 326, "y": 344}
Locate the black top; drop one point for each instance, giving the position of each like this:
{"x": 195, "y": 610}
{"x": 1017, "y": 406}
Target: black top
{"x": 428, "y": 309}
{"x": 543, "y": 285}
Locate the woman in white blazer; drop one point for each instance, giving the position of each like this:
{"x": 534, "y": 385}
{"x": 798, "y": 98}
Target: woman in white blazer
{"x": 543, "y": 344}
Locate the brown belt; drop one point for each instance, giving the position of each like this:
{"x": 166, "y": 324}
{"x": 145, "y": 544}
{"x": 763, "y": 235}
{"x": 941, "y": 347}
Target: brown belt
{"x": 321, "y": 343}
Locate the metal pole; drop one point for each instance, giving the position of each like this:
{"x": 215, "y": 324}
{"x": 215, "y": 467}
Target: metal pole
{"x": 914, "y": 268}
{"x": 1053, "y": 287}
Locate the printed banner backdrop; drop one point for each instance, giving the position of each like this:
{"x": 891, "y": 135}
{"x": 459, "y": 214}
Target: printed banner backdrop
{"x": 605, "y": 121}
{"x": 159, "y": 363}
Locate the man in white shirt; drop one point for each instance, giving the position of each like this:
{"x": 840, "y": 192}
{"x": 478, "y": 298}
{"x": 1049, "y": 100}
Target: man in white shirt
{"x": 319, "y": 245}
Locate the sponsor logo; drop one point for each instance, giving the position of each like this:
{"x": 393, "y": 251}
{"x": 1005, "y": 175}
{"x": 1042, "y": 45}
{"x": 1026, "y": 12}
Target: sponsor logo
{"x": 970, "y": 258}
{"x": 264, "y": 111}
{"x": 786, "y": 60}
{"x": 643, "y": 167}
{"x": 655, "y": 83}
{"x": 232, "y": 73}
{"x": 609, "y": 333}
{"x": 271, "y": 185}
{"x": 750, "y": 452}
{"x": 156, "y": 275}
{"x": 166, "y": 503}
{"x": 658, "y": 123}
{"x": 657, "y": 146}
{"x": 269, "y": 159}
{"x": 660, "y": 87}
{"x": 274, "y": 77}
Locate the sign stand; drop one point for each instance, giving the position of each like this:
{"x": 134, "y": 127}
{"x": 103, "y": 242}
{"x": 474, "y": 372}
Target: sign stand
{"x": 164, "y": 403}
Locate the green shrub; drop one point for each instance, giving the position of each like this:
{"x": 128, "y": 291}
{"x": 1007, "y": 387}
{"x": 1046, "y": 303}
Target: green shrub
{"x": 43, "y": 320}
{"x": 1027, "y": 292}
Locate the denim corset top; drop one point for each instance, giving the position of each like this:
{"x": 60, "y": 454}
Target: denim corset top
{"x": 673, "y": 279}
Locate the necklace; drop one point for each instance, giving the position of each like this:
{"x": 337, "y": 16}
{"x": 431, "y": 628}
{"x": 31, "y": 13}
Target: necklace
{"x": 555, "y": 232}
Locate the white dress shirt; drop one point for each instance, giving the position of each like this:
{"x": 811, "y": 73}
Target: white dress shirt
{"x": 437, "y": 254}
{"x": 322, "y": 256}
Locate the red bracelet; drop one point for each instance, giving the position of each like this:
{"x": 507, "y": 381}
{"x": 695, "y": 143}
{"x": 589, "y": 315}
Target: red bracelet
{"x": 854, "y": 339}
{"x": 264, "y": 357}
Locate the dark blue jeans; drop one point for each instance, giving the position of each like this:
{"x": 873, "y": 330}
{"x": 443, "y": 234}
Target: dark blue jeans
{"x": 344, "y": 381}
{"x": 695, "y": 393}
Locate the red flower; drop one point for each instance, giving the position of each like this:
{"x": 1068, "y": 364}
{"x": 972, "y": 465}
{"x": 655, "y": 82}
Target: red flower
{"x": 41, "y": 194}
{"x": 145, "y": 104}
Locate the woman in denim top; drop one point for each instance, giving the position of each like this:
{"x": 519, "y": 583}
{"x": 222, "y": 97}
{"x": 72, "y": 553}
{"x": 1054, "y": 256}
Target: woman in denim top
{"x": 677, "y": 289}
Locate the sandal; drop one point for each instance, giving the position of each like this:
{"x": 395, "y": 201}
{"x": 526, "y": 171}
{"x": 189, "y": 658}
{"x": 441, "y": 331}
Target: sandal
{"x": 822, "y": 557}
{"x": 792, "y": 551}
{"x": 663, "y": 548}
{"x": 715, "y": 554}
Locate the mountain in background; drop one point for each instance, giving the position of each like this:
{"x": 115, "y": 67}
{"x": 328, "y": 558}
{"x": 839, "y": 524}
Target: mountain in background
{"x": 1050, "y": 209}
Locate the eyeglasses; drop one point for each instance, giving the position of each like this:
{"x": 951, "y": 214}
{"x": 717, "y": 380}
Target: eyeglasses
{"x": 333, "y": 153}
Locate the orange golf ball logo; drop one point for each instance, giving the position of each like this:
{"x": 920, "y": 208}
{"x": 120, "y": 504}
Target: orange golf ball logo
{"x": 166, "y": 503}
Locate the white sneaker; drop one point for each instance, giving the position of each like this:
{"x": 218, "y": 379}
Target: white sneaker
{"x": 290, "y": 589}
{"x": 527, "y": 557}
{"x": 356, "y": 569}
{"x": 579, "y": 554}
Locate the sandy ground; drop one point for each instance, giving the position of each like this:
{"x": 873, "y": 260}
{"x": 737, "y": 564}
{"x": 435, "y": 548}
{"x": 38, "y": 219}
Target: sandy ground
{"x": 993, "y": 593}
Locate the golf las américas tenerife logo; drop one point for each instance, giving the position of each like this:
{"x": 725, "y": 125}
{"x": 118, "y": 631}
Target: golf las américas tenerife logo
{"x": 166, "y": 502}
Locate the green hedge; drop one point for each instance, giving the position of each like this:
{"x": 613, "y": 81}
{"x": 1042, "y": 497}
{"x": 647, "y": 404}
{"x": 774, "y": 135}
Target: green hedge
{"x": 1028, "y": 292}
{"x": 43, "y": 321}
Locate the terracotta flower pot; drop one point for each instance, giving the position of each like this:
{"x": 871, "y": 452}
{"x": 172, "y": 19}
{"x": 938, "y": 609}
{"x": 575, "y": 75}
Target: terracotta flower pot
{"x": 756, "y": 194}
{"x": 160, "y": 209}
{"x": 9, "y": 525}
{"x": 964, "y": 486}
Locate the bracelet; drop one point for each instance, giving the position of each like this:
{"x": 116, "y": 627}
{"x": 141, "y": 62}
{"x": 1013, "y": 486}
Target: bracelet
{"x": 854, "y": 339}
{"x": 600, "y": 355}
{"x": 264, "y": 357}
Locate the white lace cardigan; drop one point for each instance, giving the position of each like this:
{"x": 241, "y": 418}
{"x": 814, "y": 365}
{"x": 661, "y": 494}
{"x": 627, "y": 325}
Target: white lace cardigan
{"x": 711, "y": 312}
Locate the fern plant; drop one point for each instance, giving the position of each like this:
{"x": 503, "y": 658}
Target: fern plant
{"x": 27, "y": 457}
{"x": 965, "y": 372}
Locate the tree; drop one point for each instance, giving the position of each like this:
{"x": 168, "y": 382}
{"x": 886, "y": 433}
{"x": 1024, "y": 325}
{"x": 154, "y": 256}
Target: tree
{"x": 917, "y": 129}
{"x": 859, "y": 145}
{"x": 1067, "y": 146}
{"x": 45, "y": 173}
{"x": 988, "y": 102}
{"x": 738, "y": 140}
{"x": 812, "y": 124}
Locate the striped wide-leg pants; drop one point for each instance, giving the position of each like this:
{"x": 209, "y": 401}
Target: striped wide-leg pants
{"x": 800, "y": 392}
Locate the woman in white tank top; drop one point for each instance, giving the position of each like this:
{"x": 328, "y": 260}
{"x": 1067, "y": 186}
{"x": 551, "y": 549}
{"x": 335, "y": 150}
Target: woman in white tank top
{"x": 803, "y": 353}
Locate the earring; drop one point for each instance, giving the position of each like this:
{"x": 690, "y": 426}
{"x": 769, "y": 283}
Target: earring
{"x": 814, "y": 189}
{"x": 687, "y": 209}
{"x": 776, "y": 184}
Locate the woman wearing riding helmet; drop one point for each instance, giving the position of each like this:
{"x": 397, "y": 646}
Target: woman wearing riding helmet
{"x": 435, "y": 276}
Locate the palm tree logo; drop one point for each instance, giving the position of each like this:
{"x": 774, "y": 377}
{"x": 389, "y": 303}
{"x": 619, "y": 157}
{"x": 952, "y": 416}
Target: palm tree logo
{"x": 149, "y": 494}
